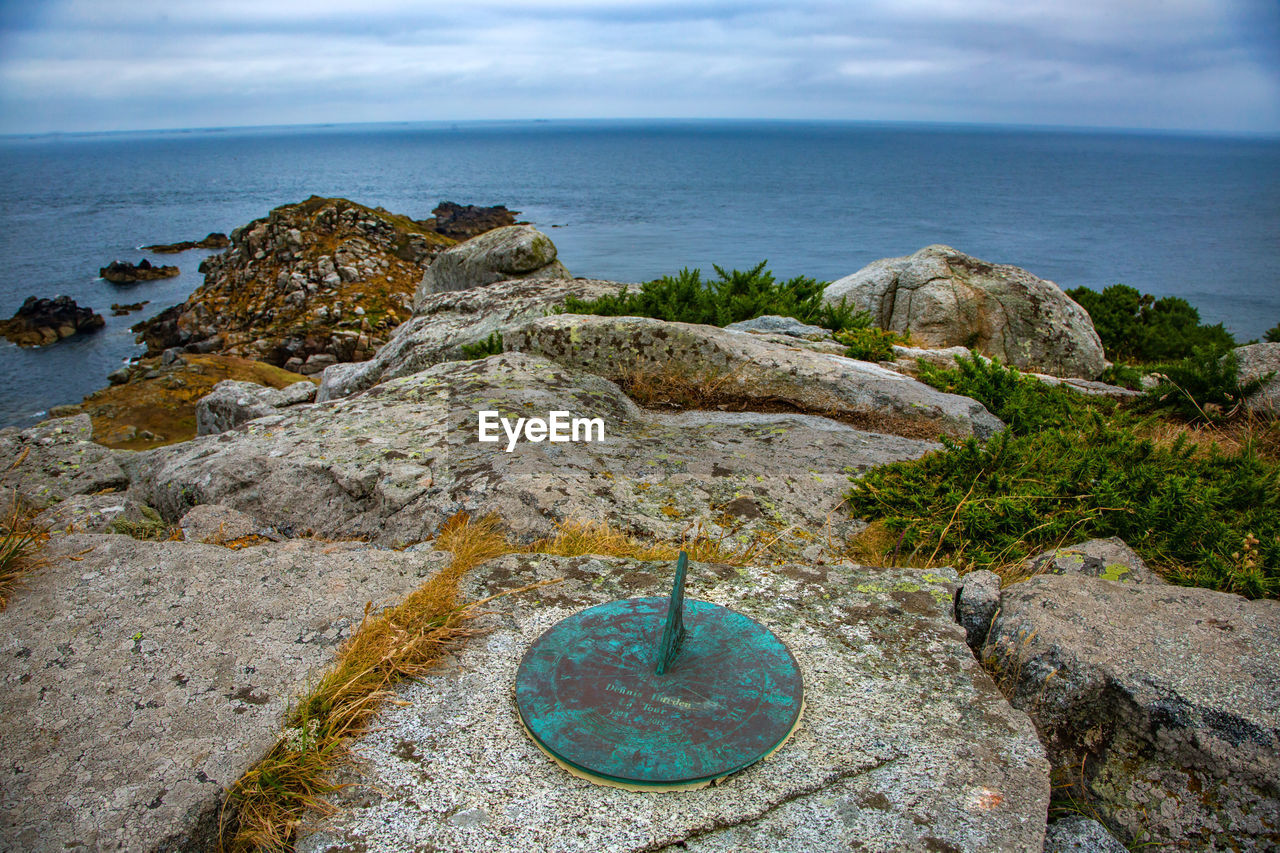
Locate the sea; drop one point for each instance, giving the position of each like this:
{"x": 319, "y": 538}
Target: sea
{"x": 1190, "y": 216}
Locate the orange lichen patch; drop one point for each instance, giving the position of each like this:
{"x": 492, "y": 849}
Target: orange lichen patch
{"x": 245, "y": 542}
{"x": 164, "y": 406}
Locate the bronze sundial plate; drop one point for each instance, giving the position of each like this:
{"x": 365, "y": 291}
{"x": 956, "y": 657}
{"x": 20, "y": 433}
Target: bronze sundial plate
{"x": 589, "y": 693}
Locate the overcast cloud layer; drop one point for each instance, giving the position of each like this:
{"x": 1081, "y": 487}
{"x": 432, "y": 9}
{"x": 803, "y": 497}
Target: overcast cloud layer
{"x": 74, "y": 65}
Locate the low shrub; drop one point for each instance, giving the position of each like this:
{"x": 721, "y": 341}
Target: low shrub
{"x": 1202, "y": 388}
{"x": 1273, "y": 334}
{"x": 729, "y": 298}
{"x": 1138, "y": 327}
{"x": 491, "y": 345}
{"x": 869, "y": 343}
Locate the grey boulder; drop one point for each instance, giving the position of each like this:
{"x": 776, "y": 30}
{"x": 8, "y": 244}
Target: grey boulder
{"x": 1157, "y": 704}
{"x": 1079, "y": 834}
{"x": 945, "y": 298}
{"x": 93, "y": 513}
{"x": 56, "y": 459}
{"x": 776, "y": 325}
{"x": 514, "y": 251}
{"x": 215, "y": 524}
{"x": 976, "y": 604}
{"x": 232, "y": 403}
{"x": 904, "y": 744}
{"x": 1109, "y": 559}
{"x": 1255, "y": 362}
{"x": 866, "y": 394}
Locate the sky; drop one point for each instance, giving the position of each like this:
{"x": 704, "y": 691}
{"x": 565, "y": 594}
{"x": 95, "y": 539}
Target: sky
{"x": 90, "y": 65}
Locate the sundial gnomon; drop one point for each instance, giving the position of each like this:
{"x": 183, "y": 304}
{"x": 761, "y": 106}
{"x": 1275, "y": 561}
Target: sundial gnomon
{"x": 659, "y": 692}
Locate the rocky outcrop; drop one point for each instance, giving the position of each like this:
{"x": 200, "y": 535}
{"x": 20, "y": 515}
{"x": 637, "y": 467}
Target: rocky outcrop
{"x": 1110, "y": 559}
{"x": 772, "y": 324}
{"x": 325, "y": 276}
{"x": 398, "y": 460}
{"x": 976, "y": 604}
{"x": 56, "y": 459}
{"x": 232, "y": 403}
{"x": 746, "y": 367}
{"x": 120, "y": 310}
{"x": 447, "y": 322}
{"x": 215, "y": 240}
{"x": 216, "y": 525}
{"x": 45, "y": 321}
{"x": 142, "y": 678}
{"x": 123, "y": 272}
{"x": 517, "y": 251}
{"x": 905, "y": 744}
{"x": 1156, "y": 704}
{"x": 1079, "y": 834}
{"x": 1257, "y": 361}
{"x": 945, "y": 298}
{"x": 153, "y": 402}
{"x": 462, "y": 222}
{"x": 95, "y": 513}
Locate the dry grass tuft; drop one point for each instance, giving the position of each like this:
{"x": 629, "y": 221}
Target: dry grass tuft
{"x": 20, "y": 544}
{"x": 579, "y": 538}
{"x": 1229, "y": 437}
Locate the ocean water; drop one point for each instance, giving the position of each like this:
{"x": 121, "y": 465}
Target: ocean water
{"x": 1196, "y": 217}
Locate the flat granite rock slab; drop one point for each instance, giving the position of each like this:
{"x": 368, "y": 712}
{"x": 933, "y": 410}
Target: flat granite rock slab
{"x": 905, "y": 742}
{"x": 139, "y": 679}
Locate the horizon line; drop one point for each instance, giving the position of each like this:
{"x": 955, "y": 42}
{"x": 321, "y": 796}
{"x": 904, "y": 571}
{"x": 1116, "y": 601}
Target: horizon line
{"x": 457, "y": 123}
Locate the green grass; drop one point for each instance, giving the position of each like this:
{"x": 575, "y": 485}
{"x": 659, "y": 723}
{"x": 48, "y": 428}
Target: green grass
{"x": 1071, "y": 468}
{"x": 729, "y": 298}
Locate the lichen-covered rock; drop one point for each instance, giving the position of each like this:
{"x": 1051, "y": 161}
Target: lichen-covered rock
{"x": 140, "y": 679}
{"x": 1256, "y": 361}
{"x": 325, "y": 275}
{"x": 775, "y": 325}
{"x": 750, "y": 367}
{"x": 447, "y": 322}
{"x": 945, "y": 298}
{"x": 1109, "y": 559}
{"x": 56, "y": 459}
{"x": 976, "y": 603}
{"x": 395, "y": 462}
{"x": 215, "y": 524}
{"x": 1157, "y": 704}
{"x": 91, "y": 513}
{"x": 516, "y": 251}
{"x": 905, "y": 744}
{"x": 1079, "y": 834}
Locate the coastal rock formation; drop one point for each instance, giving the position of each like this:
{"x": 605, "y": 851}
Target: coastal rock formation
{"x": 1255, "y": 362}
{"x": 904, "y": 739}
{"x": 396, "y": 461}
{"x": 56, "y": 459}
{"x": 754, "y": 371}
{"x": 123, "y": 272}
{"x": 215, "y": 240}
{"x": 143, "y": 678}
{"x": 462, "y": 222}
{"x": 945, "y": 298}
{"x": 153, "y": 402}
{"x": 447, "y": 322}
{"x": 44, "y": 321}
{"x": 517, "y": 251}
{"x": 120, "y": 310}
{"x": 325, "y": 276}
{"x": 1157, "y": 704}
{"x": 231, "y": 403}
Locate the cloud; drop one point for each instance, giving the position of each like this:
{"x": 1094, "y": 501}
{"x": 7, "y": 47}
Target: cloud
{"x": 82, "y": 65}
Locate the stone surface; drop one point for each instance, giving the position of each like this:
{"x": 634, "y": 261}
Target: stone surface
{"x": 43, "y": 321}
{"x": 448, "y": 321}
{"x": 91, "y": 514}
{"x": 774, "y": 324}
{"x": 1158, "y": 703}
{"x": 56, "y": 459}
{"x": 395, "y": 462}
{"x": 1109, "y": 559}
{"x": 215, "y": 524}
{"x": 231, "y": 403}
{"x": 141, "y": 678}
{"x": 1079, "y": 834}
{"x": 905, "y": 744}
{"x": 516, "y": 251}
{"x": 866, "y": 394}
{"x": 1256, "y": 361}
{"x": 976, "y": 603}
{"x": 945, "y": 298}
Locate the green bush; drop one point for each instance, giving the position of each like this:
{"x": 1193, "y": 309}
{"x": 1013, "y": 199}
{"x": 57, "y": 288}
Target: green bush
{"x": 1273, "y": 334}
{"x": 1202, "y": 388}
{"x": 869, "y": 343}
{"x": 491, "y": 345}
{"x": 1070, "y": 468}
{"x": 732, "y": 297}
{"x": 1137, "y": 327}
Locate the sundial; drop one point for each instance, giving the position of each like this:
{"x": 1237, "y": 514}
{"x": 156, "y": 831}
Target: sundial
{"x": 658, "y": 692}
